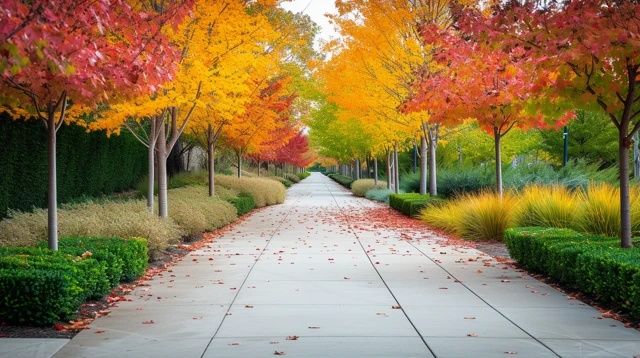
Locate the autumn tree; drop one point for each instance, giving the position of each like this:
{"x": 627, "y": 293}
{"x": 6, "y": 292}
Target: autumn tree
{"x": 591, "y": 47}
{"x": 79, "y": 54}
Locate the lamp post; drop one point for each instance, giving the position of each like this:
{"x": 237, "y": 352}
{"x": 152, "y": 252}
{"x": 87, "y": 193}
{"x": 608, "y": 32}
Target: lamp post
{"x": 565, "y": 140}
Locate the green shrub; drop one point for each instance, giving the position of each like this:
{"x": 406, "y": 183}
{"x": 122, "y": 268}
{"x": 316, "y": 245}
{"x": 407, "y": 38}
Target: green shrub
{"x": 360, "y": 187}
{"x": 381, "y": 195}
{"x": 263, "y": 190}
{"x": 125, "y": 259}
{"x": 342, "y": 180}
{"x": 412, "y": 203}
{"x": 459, "y": 181}
{"x": 594, "y": 265}
{"x": 243, "y": 203}
{"x": 303, "y": 175}
{"x": 286, "y": 182}
{"x": 292, "y": 178}
{"x": 109, "y": 218}
{"x": 38, "y": 296}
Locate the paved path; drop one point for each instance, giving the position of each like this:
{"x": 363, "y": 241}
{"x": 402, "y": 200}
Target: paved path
{"x": 339, "y": 289}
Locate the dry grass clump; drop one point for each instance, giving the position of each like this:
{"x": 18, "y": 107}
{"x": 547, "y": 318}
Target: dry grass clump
{"x": 263, "y": 190}
{"x": 195, "y": 211}
{"x": 360, "y": 187}
{"x": 599, "y": 210}
{"x": 547, "y": 206}
{"x": 108, "y": 218}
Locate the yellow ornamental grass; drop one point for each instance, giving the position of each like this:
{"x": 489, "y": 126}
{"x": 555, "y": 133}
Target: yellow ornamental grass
{"x": 196, "y": 212}
{"x": 599, "y": 210}
{"x": 360, "y": 187}
{"x": 484, "y": 216}
{"x": 553, "y": 206}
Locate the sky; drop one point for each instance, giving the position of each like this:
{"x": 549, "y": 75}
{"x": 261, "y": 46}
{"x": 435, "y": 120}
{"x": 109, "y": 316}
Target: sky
{"x": 316, "y": 10}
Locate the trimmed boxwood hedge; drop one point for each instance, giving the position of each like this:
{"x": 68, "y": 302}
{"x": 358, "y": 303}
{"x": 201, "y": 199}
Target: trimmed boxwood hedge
{"x": 40, "y": 286}
{"x": 303, "y": 175}
{"x": 244, "y": 203}
{"x": 126, "y": 259}
{"x": 342, "y": 180}
{"x": 411, "y": 203}
{"x": 593, "y": 265}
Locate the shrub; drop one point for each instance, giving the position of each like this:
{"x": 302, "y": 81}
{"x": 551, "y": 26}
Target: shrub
{"x": 286, "y": 182}
{"x": 552, "y": 206}
{"x": 460, "y": 181}
{"x": 292, "y": 178}
{"x": 303, "y": 175}
{"x": 594, "y": 265}
{"x": 484, "y": 216}
{"x": 360, "y": 187}
{"x": 195, "y": 212}
{"x": 38, "y": 296}
{"x": 264, "y": 191}
{"x": 108, "y": 218}
{"x": 342, "y": 180}
{"x": 412, "y": 203}
{"x": 381, "y": 195}
{"x": 243, "y": 203}
{"x": 125, "y": 259}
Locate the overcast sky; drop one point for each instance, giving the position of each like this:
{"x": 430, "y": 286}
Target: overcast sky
{"x": 316, "y": 10}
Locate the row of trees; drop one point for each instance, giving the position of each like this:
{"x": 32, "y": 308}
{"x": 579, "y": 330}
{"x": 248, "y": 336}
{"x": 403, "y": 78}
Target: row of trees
{"x": 416, "y": 67}
{"x": 227, "y": 73}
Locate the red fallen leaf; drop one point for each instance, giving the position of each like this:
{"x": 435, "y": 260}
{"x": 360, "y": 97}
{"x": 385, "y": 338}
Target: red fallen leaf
{"x": 396, "y": 307}
{"x": 472, "y": 335}
{"x": 210, "y": 258}
{"x": 59, "y": 327}
{"x": 292, "y": 338}
{"x": 148, "y": 322}
{"x": 100, "y": 331}
{"x": 234, "y": 344}
{"x": 278, "y": 353}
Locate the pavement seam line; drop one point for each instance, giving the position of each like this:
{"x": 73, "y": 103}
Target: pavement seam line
{"x": 483, "y": 300}
{"x": 380, "y": 275}
{"x": 264, "y": 249}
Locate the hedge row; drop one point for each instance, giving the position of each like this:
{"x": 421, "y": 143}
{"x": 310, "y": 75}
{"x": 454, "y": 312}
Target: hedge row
{"x": 411, "y": 203}
{"x": 593, "y": 265}
{"x": 244, "y": 203}
{"x": 89, "y": 164}
{"x": 303, "y": 175}
{"x": 40, "y": 286}
{"x": 342, "y": 180}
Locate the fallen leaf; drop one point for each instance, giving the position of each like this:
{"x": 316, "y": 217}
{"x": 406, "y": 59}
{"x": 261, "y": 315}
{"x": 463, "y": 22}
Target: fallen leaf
{"x": 292, "y": 338}
{"x": 278, "y": 353}
{"x": 148, "y": 322}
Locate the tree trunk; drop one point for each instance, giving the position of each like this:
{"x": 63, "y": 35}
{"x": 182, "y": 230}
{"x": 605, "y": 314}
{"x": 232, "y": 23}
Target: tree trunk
{"x": 239, "y": 154}
{"x": 357, "y": 169}
{"x": 636, "y": 155}
{"x": 259, "y": 165}
{"x": 212, "y": 161}
{"x": 52, "y": 207}
{"x": 423, "y": 164}
{"x": 389, "y": 173}
{"x": 375, "y": 171}
{"x": 625, "y": 211}
{"x": 151, "y": 157}
{"x": 432, "y": 151}
{"x": 497, "y": 137}
{"x": 163, "y": 201}
{"x": 396, "y": 170}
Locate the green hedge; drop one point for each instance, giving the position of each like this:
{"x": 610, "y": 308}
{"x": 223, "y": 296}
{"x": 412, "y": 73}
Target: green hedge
{"x": 40, "y": 286}
{"x": 303, "y": 175}
{"x": 126, "y": 259}
{"x": 89, "y": 164}
{"x": 593, "y": 265}
{"x": 342, "y": 180}
{"x": 244, "y": 203}
{"x": 411, "y": 203}
{"x": 292, "y": 178}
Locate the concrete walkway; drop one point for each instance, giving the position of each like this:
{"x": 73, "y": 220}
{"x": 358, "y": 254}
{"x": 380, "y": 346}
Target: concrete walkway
{"x": 299, "y": 280}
